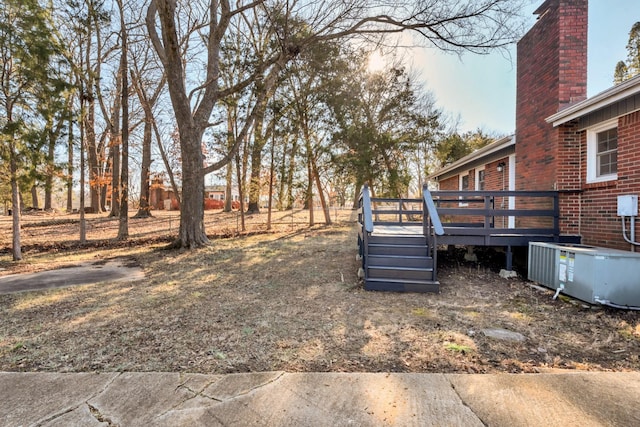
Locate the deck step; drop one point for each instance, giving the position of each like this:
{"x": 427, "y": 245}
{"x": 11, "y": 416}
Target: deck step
{"x": 400, "y": 261}
{"x": 397, "y": 273}
{"x": 391, "y": 285}
{"x": 403, "y": 250}
{"x": 397, "y": 239}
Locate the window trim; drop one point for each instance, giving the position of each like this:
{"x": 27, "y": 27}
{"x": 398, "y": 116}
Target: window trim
{"x": 477, "y": 180}
{"x": 592, "y": 152}
{"x": 460, "y": 178}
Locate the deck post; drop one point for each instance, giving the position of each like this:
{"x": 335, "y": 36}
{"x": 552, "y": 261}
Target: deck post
{"x": 509, "y": 259}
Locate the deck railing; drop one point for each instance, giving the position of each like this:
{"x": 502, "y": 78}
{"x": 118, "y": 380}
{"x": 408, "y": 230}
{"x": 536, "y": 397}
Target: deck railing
{"x": 479, "y": 218}
{"x": 492, "y": 218}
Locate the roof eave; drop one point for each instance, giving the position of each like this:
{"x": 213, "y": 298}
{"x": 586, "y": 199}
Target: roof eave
{"x": 483, "y": 152}
{"x": 601, "y": 100}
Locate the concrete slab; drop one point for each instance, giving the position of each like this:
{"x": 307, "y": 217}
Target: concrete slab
{"x": 335, "y": 399}
{"x": 81, "y": 416}
{"x": 319, "y": 399}
{"x": 144, "y": 398}
{"x": 41, "y": 398}
{"x": 568, "y": 399}
{"x": 83, "y": 274}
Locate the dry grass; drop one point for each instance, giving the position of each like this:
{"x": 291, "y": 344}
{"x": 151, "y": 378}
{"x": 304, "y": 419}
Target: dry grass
{"x": 290, "y": 300}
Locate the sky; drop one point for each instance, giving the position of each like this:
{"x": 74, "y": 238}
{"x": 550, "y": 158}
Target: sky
{"x": 481, "y": 89}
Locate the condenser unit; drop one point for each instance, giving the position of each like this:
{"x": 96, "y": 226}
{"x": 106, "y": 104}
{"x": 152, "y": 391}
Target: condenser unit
{"x": 589, "y": 273}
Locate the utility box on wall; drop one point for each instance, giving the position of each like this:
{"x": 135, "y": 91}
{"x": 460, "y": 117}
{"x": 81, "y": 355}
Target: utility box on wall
{"x": 628, "y": 205}
{"x": 592, "y": 274}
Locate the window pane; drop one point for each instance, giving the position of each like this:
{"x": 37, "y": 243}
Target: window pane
{"x": 607, "y": 156}
{"x": 607, "y": 164}
{"x": 481, "y": 180}
{"x": 465, "y": 182}
{"x": 603, "y": 146}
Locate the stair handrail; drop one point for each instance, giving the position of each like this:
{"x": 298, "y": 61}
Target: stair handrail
{"x": 432, "y": 227}
{"x": 432, "y": 212}
{"x": 367, "y": 212}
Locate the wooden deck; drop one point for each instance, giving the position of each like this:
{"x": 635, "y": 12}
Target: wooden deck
{"x": 470, "y": 218}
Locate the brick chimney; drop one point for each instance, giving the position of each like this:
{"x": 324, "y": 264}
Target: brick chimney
{"x": 551, "y": 74}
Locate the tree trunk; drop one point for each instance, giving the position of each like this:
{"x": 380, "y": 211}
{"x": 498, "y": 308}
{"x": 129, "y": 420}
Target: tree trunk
{"x": 165, "y": 160}
{"x": 123, "y": 224}
{"x": 92, "y": 158}
{"x": 291, "y": 171}
{"x": 48, "y": 183}
{"x": 228, "y": 199}
{"x": 272, "y": 168}
{"x": 242, "y": 173}
{"x": 15, "y": 206}
{"x": 83, "y": 223}
{"x": 144, "y": 211}
{"x": 282, "y": 175}
{"x": 114, "y": 156}
{"x": 192, "y": 232}
{"x": 309, "y": 202}
{"x": 323, "y": 201}
{"x": 70, "y": 165}
{"x": 356, "y": 194}
{"x": 34, "y": 197}
{"x": 228, "y": 191}
{"x": 115, "y": 139}
{"x": 256, "y": 163}
{"x": 240, "y": 192}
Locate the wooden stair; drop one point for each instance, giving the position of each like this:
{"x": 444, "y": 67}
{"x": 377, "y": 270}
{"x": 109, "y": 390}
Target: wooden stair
{"x": 399, "y": 263}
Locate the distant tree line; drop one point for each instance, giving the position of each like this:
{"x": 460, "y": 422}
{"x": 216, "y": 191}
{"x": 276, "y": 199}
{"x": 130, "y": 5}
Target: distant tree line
{"x": 272, "y": 97}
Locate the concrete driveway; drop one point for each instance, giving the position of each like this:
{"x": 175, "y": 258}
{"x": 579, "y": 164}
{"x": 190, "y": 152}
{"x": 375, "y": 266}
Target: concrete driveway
{"x": 87, "y": 273}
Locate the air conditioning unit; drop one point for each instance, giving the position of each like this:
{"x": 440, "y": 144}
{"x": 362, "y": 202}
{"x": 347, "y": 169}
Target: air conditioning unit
{"x": 589, "y": 273}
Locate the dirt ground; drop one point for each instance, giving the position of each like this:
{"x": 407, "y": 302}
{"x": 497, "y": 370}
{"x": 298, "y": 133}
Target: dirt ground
{"x": 286, "y": 299}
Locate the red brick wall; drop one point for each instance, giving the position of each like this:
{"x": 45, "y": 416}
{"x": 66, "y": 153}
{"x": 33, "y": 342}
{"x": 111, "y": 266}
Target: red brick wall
{"x": 450, "y": 184}
{"x": 494, "y": 180}
{"x": 569, "y": 175}
{"x": 599, "y": 222}
{"x": 552, "y": 72}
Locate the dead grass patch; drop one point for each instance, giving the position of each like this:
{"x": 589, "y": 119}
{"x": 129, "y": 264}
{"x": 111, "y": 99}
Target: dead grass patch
{"x": 290, "y": 300}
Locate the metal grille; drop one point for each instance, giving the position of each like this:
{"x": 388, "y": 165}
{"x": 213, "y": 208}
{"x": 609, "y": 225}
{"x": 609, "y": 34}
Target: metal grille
{"x": 542, "y": 264}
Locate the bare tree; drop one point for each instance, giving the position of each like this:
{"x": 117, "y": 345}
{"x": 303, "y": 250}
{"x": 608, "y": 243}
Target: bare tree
{"x": 454, "y": 25}
{"x": 147, "y": 101}
{"x": 123, "y": 227}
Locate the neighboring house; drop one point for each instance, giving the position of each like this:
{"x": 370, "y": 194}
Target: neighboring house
{"x": 162, "y": 197}
{"x": 214, "y": 197}
{"x": 586, "y": 149}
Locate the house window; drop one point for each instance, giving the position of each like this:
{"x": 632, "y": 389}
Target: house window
{"x": 464, "y": 186}
{"x": 607, "y": 162}
{"x": 464, "y": 182}
{"x": 480, "y": 179}
{"x": 602, "y": 152}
